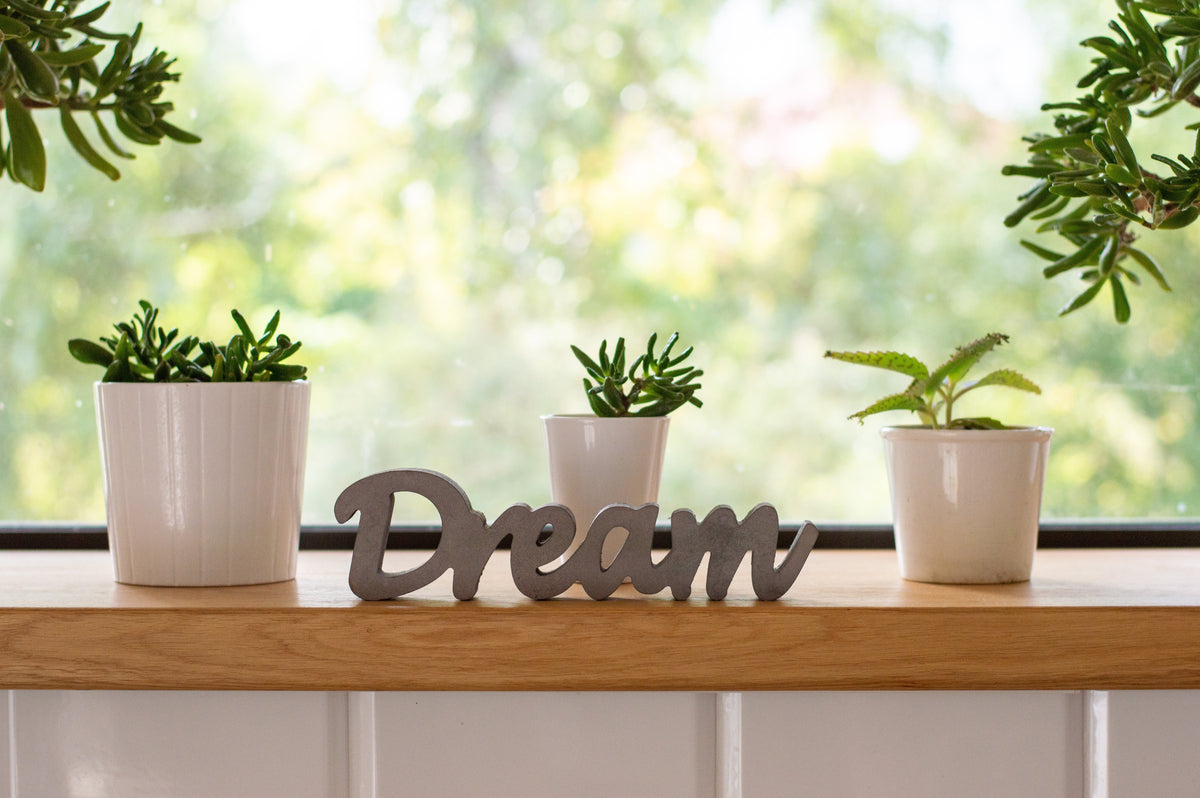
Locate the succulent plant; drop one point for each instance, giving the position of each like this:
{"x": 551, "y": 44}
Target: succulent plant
{"x": 48, "y": 59}
{"x": 144, "y": 352}
{"x": 936, "y": 391}
{"x": 1092, "y": 188}
{"x": 655, "y": 385}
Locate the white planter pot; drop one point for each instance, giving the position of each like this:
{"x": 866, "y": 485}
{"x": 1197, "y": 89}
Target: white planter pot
{"x": 203, "y": 481}
{"x": 595, "y": 462}
{"x": 965, "y": 503}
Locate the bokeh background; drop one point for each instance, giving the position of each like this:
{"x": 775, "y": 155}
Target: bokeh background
{"x": 441, "y": 196}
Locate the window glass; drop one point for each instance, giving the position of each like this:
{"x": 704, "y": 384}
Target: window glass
{"x": 442, "y": 196}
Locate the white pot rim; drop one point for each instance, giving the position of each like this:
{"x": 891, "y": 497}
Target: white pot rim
{"x": 154, "y": 386}
{"x": 921, "y": 433}
{"x": 590, "y": 417}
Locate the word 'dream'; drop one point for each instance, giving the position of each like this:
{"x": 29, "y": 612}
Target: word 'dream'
{"x": 541, "y": 536}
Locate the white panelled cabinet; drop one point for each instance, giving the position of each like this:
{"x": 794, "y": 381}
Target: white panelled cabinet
{"x": 943, "y": 744}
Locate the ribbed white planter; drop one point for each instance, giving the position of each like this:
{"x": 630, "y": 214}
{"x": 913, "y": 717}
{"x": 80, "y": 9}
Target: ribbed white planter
{"x": 203, "y": 481}
{"x": 965, "y": 503}
{"x": 595, "y": 462}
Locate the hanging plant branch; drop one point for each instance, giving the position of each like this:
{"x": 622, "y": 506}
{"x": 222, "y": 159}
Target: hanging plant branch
{"x": 1092, "y": 188}
{"x": 52, "y": 57}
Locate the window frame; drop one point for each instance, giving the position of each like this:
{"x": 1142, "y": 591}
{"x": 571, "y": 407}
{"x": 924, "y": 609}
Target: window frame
{"x": 1053, "y": 534}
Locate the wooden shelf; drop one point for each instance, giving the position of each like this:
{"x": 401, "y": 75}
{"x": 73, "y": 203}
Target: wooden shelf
{"x": 1090, "y": 619}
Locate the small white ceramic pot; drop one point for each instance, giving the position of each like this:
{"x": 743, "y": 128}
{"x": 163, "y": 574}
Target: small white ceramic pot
{"x": 203, "y": 481}
{"x": 965, "y": 503}
{"x": 595, "y": 462}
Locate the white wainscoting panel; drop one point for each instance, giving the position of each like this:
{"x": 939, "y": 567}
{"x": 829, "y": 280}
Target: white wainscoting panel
{"x": 913, "y": 744}
{"x": 583, "y": 745}
{"x": 1154, "y": 744}
{"x": 6, "y": 775}
{"x": 105, "y": 744}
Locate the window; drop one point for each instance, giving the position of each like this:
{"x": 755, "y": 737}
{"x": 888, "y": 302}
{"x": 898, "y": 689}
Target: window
{"x": 441, "y": 196}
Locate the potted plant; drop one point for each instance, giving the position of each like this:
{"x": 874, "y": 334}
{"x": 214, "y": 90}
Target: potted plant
{"x": 1090, "y": 186}
{"x": 615, "y": 455}
{"x": 52, "y": 57}
{"x": 202, "y": 447}
{"x": 966, "y": 492}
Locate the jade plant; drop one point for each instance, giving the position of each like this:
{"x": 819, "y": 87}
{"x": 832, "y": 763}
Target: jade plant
{"x": 140, "y": 351}
{"x": 932, "y": 394}
{"x": 654, "y": 385}
{"x": 1091, "y": 187}
{"x": 53, "y": 57}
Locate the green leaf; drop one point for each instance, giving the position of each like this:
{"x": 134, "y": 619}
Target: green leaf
{"x": 977, "y": 422}
{"x": 1181, "y": 218}
{"x": 27, "y": 156}
{"x": 82, "y": 53}
{"x": 37, "y": 76}
{"x": 240, "y": 320}
{"x": 132, "y": 131}
{"x": 89, "y": 352}
{"x": 1121, "y": 175}
{"x": 1150, "y": 266}
{"x": 108, "y": 140}
{"x": 172, "y": 132}
{"x": 1009, "y": 379}
{"x": 1040, "y": 196}
{"x": 1186, "y": 83}
{"x": 1087, "y": 296}
{"x": 1041, "y": 252}
{"x": 12, "y": 28}
{"x": 82, "y": 146}
{"x": 88, "y": 17}
{"x": 592, "y": 366}
{"x": 965, "y": 357}
{"x": 1076, "y": 258}
{"x": 899, "y": 401}
{"x": 1120, "y": 300}
{"x": 890, "y": 361}
{"x": 1121, "y": 146}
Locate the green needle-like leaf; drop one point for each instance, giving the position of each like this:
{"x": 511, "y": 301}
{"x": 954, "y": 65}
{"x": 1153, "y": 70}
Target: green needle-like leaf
{"x": 82, "y": 146}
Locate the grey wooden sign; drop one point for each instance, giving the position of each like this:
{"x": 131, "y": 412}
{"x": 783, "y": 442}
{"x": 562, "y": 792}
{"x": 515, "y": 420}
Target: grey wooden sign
{"x": 541, "y": 536}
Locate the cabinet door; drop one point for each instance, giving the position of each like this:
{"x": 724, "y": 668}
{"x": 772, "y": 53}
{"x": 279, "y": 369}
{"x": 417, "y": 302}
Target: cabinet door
{"x": 184, "y": 744}
{"x": 585, "y": 745}
{"x": 1153, "y": 738}
{"x": 918, "y": 744}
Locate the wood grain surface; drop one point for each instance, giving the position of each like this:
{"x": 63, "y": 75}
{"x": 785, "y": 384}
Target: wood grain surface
{"x": 1089, "y": 619}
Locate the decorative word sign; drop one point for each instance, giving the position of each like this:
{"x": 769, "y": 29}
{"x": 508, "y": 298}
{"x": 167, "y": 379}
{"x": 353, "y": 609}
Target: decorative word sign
{"x": 541, "y": 536}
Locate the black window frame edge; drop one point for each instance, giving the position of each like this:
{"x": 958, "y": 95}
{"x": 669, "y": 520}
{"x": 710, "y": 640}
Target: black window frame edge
{"x": 1053, "y": 534}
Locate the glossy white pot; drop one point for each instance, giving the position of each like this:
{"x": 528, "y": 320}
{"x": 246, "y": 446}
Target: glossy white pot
{"x": 203, "y": 481}
{"x": 595, "y": 462}
{"x": 965, "y": 503}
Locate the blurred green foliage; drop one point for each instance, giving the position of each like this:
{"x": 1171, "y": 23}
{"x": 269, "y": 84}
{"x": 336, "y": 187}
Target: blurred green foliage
{"x": 455, "y": 189}
{"x": 1090, "y": 184}
{"x": 54, "y": 56}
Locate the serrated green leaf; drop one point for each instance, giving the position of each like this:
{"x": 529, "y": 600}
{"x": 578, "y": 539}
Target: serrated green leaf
{"x": 899, "y": 401}
{"x": 965, "y": 357}
{"x": 1009, "y": 379}
{"x": 890, "y": 361}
